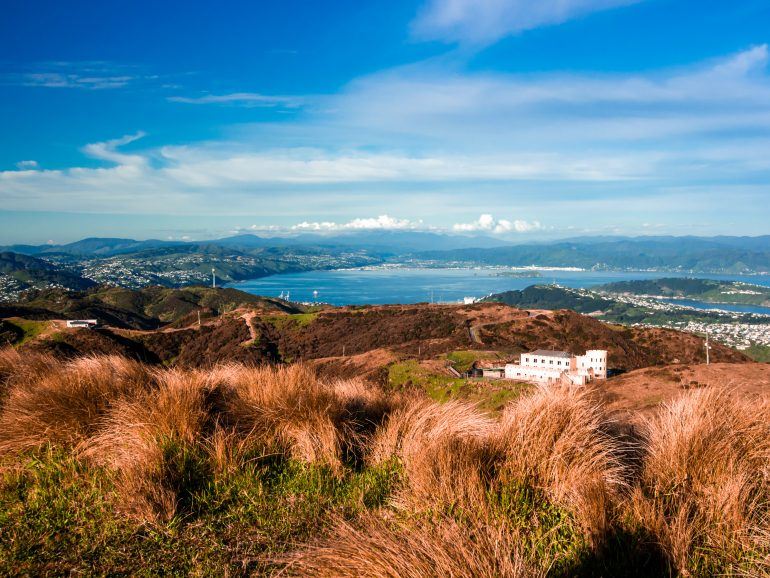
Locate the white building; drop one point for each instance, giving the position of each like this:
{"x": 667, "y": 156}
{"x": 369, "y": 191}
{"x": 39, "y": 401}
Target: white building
{"x": 546, "y": 366}
{"x": 87, "y": 323}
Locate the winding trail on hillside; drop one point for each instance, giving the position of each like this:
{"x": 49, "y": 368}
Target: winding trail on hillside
{"x": 248, "y": 317}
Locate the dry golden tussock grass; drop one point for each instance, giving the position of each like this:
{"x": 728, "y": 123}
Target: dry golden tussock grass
{"x": 288, "y": 409}
{"x": 443, "y": 450}
{"x": 150, "y": 442}
{"x": 18, "y": 368}
{"x": 417, "y": 548}
{"x": 698, "y": 481}
{"x": 556, "y": 441}
{"x": 61, "y": 405}
{"x": 705, "y": 483}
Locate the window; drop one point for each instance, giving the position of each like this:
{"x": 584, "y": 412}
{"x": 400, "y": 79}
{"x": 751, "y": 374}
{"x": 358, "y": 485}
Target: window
{"x": 551, "y": 362}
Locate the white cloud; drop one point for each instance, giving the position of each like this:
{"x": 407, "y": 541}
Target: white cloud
{"x": 542, "y": 110}
{"x": 484, "y": 21}
{"x": 383, "y": 222}
{"x": 247, "y": 99}
{"x": 107, "y": 151}
{"x": 26, "y": 165}
{"x": 487, "y": 223}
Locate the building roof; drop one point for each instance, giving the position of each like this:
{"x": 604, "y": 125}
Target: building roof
{"x": 551, "y": 353}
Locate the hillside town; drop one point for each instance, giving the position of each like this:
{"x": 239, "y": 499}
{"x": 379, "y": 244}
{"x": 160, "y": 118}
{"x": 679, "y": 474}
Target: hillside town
{"x": 735, "y": 329}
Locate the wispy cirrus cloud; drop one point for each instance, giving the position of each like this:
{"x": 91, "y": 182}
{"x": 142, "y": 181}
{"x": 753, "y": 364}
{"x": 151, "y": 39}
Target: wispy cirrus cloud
{"x": 108, "y": 150}
{"x": 245, "y": 99}
{"x": 436, "y": 141}
{"x": 485, "y": 21}
{"x": 86, "y": 75}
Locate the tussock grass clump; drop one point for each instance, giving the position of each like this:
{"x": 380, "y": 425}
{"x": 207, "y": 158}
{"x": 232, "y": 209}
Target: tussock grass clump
{"x": 151, "y": 442}
{"x": 416, "y": 548}
{"x": 62, "y": 405}
{"x": 705, "y": 483}
{"x": 556, "y": 441}
{"x": 238, "y": 465}
{"x": 15, "y": 367}
{"x": 443, "y": 450}
{"x": 289, "y": 410}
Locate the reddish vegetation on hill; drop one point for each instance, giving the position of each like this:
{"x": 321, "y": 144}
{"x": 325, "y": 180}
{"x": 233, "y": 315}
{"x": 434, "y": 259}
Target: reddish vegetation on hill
{"x": 407, "y": 331}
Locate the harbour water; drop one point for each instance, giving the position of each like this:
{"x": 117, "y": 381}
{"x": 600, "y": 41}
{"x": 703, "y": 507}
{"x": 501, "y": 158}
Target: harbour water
{"x": 411, "y": 285}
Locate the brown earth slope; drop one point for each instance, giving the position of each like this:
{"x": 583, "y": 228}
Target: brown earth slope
{"x": 636, "y": 393}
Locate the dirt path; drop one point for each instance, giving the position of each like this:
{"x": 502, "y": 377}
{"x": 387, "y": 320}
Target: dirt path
{"x": 248, "y": 317}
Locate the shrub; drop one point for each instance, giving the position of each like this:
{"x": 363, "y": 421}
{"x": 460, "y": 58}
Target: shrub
{"x": 151, "y": 441}
{"x": 443, "y": 450}
{"x": 289, "y": 410}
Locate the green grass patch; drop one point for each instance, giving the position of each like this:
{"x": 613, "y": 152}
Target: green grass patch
{"x": 294, "y": 320}
{"x": 411, "y": 374}
{"x": 29, "y": 329}
{"x": 462, "y": 360}
{"x": 759, "y": 353}
{"x": 548, "y": 531}
{"x": 58, "y": 516}
{"x": 490, "y": 395}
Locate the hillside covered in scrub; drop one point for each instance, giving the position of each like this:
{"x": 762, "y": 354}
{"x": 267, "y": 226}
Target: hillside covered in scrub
{"x": 110, "y": 466}
{"x": 158, "y": 325}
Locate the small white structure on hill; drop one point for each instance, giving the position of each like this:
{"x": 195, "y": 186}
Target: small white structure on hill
{"x": 547, "y": 366}
{"x": 86, "y": 323}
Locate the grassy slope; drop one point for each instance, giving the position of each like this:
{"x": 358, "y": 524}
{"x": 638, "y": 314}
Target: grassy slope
{"x": 147, "y": 308}
{"x": 490, "y": 396}
{"x": 58, "y": 516}
{"x": 553, "y": 476}
{"x": 759, "y": 353}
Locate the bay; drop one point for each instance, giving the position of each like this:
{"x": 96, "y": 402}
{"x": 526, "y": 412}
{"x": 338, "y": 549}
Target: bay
{"x": 374, "y": 286}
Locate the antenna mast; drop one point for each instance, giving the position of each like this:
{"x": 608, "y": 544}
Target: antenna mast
{"x": 213, "y": 278}
{"x": 707, "y": 348}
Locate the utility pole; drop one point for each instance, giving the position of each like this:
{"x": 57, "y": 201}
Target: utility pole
{"x": 707, "y": 348}
{"x": 199, "y": 317}
{"x": 343, "y": 351}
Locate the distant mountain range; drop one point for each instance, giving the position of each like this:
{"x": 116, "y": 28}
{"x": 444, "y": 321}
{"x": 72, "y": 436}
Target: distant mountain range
{"x": 135, "y": 264}
{"x": 380, "y": 241}
{"x": 687, "y": 254}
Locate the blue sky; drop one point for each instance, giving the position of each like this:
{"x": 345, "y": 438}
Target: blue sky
{"x": 507, "y": 117}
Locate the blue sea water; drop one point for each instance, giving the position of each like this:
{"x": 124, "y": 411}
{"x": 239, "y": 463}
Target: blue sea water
{"x": 408, "y": 285}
